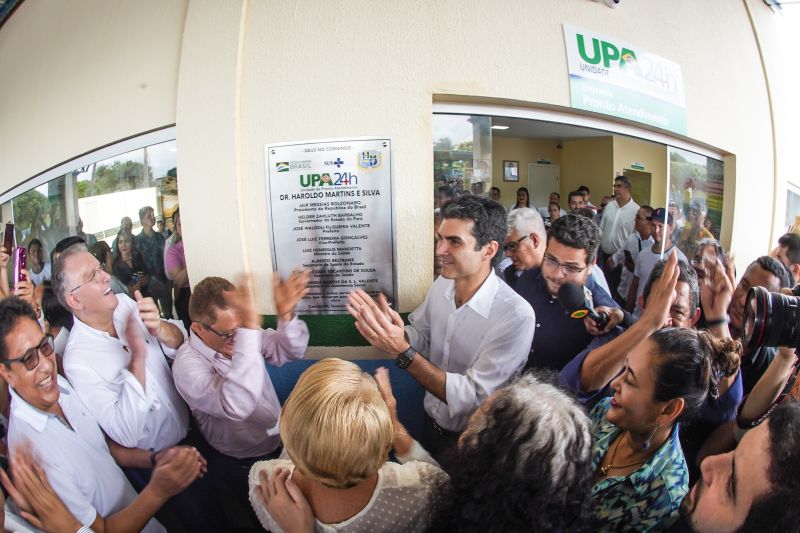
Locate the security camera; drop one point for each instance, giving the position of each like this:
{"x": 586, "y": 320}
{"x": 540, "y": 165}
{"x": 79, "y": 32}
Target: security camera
{"x": 610, "y": 3}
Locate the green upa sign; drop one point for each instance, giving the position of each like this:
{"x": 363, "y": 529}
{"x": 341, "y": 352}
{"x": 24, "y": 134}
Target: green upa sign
{"x": 615, "y": 78}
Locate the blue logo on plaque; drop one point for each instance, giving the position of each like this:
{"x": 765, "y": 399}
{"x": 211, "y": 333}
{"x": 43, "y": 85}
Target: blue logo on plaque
{"x": 369, "y": 159}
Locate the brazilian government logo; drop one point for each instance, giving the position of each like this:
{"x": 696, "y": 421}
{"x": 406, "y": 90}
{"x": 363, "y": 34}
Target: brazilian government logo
{"x": 282, "y": 166}
{"x": 580, "y": 313}
{"x": 369, "y": 159}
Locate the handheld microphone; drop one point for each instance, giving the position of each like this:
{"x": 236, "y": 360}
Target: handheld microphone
{"x": 578, "y": 304}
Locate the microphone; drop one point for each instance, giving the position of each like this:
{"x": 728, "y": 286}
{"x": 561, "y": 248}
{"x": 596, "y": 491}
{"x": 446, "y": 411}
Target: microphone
{"x": 578, "y": 304}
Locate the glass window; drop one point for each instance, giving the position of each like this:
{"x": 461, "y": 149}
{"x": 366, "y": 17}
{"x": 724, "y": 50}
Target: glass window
{"x": 793, "y": 206}
{"x": 695, "y": 198}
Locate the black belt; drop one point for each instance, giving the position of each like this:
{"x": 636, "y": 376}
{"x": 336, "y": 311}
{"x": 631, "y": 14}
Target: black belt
{"x": 439, "y": 429}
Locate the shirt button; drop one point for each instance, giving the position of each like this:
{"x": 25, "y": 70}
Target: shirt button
{"x": 538, "y": 325}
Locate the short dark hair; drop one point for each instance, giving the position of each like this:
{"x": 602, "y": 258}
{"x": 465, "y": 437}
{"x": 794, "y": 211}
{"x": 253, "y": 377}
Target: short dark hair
{"x": 584, "y": 188}
{"x": 35, "y": 242}
{"x": 11, "y": 310}
{"x": 774, "y": 267}
{"x": 689, "y": 363}
{"x": 576, "y": 231}
{"x": 647, "y": 208}
{"x": 557, "y": 194}
{"x": 207, "y": 297}
{"x": 488, "y": 217}
{"x": 792, "y": 243}
{"x": 779, "y": 509}
{"x": 686, "y": 274}
{"x": 626, "y": 181}
{"x": 574, "y": 193}
{"x": 585, "y": 212}
{"x": 495, "y": 189}
{"x": 63, "y": 244}
{"x": 55, "y": 313}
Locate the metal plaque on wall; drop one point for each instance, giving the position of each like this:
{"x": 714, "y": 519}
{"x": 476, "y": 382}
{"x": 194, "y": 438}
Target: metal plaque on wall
{"x": 330, "y": 209}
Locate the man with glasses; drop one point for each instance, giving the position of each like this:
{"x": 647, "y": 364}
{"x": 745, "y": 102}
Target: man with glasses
{"x": 131, "y": 394}
{"x": 638, "y": 240}
{"x": 650, "y": 256}
{"x": 49, "y": 422}
{"x": 220, "y": 372}
{"x": 569, "y": 257}
{"x": 524, "y": 244}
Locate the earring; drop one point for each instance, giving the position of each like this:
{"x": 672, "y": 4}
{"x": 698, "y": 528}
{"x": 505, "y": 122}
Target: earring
{"x": 646, "y": 444}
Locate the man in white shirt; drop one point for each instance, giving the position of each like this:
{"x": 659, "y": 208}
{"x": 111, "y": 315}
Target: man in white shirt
{"x": 616, "y": 226}
{"x": 132, "y": 396}
{"x": 638, "y": 240}
{"x": 649, "y": 257}
{"x": 220, "y": 372}
{"x": 472, "y": 333}
{"x": 49, "y": 421}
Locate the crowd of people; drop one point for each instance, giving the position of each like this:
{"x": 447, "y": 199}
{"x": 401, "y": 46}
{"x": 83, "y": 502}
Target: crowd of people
{"x": 640, "y": 409}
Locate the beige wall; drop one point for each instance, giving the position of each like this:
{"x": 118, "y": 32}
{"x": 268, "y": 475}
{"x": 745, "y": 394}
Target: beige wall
{"x": 525, "y": 151}
{"x": 654, "y": 158}
{"x": 587, "y": 162}
{"x": 238, "y": 74}
{"x": 82, "y": 74}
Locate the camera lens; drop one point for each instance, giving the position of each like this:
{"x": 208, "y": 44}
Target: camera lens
{"x": 770, "y": 319}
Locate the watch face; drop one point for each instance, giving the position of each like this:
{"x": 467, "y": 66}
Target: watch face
{"x": 402, "y": 361}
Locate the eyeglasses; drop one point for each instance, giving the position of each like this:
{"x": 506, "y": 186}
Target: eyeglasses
{"x": 567, "y": 270}
{"x": 225, "y": 336}
{"x": 31, "y": 356}
{"x": 512, "y": 246}
{"x": 91, "y": 279}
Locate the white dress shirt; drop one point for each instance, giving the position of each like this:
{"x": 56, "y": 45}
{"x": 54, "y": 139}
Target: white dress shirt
{"x": 97, "y": 366}
{"x": 481, "y": 345}
{"x": 616, "y": 225}
{"x": 633, "y": 245}
{"x": 77, "y": 461}
{"x": 233, "y": 399}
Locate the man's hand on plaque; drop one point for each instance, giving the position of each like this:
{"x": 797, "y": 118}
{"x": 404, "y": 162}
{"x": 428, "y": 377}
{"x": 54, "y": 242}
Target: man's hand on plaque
{"x": 377, "y": 322}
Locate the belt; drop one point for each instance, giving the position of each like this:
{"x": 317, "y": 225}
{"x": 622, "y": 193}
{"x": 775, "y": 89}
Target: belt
{"x": 439, "y": 429}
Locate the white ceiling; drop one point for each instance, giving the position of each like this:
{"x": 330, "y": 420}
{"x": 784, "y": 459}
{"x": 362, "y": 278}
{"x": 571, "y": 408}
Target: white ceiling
{"x": 537, "y": 129}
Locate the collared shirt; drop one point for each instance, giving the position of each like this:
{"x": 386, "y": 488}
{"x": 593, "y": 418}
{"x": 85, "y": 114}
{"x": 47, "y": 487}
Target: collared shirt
{"x": 647, "y": 499}
{"x": 77, "y": 461}
{"x": 152, "y": 248}
{"x": 558, "y": 337}
{"x": 616, "y": 225}
{"x": 633, "y": 246}
{"x": 233, "y": 400}
{"x": 97, "y": 366}
{"x": 481, "y": 345}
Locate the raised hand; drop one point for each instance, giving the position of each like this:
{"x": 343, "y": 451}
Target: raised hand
{"x": 662, "y": 293}
{"x": 285, "y": 502}
{"x": 241, "y": 300}
{"x": 380, "y": 325}
{"x": 175, "y": 470}
{"x": 148, "y": 312}
{"x": 289, "y": 292}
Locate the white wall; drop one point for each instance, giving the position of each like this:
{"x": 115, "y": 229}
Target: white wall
{"x": 77, "y": 75}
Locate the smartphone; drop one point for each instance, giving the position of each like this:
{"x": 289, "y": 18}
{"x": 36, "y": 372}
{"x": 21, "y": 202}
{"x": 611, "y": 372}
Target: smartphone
{"x": 20, "y": 262}
{"x": 8, "y": 239}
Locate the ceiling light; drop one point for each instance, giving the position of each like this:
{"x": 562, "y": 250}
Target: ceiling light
{"x": 499, "y": 127}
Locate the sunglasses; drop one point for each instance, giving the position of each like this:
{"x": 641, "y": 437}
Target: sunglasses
{"x": 31, "y": 356}
{"x": 224, "y": 336}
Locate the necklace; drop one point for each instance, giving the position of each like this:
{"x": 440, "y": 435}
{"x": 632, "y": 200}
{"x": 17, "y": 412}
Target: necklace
{"x": 611, "y": 466}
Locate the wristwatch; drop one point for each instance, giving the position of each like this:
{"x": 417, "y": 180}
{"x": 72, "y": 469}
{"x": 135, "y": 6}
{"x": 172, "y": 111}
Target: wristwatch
{"x": 405, "y": 358}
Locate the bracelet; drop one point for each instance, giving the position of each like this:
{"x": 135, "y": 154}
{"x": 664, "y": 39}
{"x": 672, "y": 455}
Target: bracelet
{"x": 716, "y": 321}
{"x": 153, "y": 453}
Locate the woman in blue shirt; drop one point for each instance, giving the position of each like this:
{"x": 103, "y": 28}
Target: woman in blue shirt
{"x": 640, "y": 471}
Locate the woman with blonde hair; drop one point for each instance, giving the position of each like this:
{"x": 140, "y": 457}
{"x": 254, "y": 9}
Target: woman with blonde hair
{"x": 337, "y": 431}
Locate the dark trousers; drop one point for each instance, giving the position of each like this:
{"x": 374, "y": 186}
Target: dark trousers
{"x": 233, "y": 476}
{"x": 197, "y": 507}
{"x": 440, "y": 443}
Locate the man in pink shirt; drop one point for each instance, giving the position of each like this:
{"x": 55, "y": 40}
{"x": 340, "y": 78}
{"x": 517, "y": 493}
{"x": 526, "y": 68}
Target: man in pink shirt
{"x": 221, "y": 375}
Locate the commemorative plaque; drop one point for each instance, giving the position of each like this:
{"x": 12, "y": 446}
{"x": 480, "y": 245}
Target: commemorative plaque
{"x": 330, "y": 210}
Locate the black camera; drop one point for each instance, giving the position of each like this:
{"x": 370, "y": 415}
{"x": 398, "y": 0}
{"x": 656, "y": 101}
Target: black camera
{"x": 771, "y": 318}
